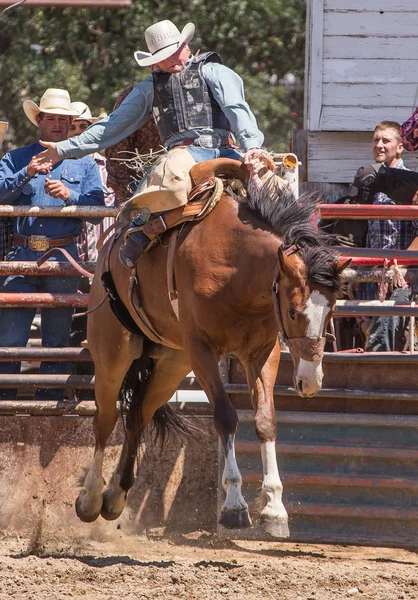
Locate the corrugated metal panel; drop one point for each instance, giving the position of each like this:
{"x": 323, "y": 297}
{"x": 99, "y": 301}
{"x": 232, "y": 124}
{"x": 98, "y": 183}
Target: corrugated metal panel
{"x": 348, "y": 478}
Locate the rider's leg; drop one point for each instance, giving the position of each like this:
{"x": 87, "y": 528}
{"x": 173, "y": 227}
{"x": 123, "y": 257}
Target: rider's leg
{"x": 137, "y": 241}
{"x": 167, "y": 188}
{"x": 134, "y": 245}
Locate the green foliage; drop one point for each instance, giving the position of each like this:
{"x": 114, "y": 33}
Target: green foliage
{"x": 89, "y": 52}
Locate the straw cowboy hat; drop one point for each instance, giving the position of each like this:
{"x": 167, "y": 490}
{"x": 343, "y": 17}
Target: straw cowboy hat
{"x": 84, "y": 113}
{"x": 3, "y": 130}
{"x": 163, "y": 39}
{"x": 53, "y": 102}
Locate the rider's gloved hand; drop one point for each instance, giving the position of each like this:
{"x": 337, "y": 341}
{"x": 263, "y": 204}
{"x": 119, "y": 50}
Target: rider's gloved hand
{"x": 347, "y": 241}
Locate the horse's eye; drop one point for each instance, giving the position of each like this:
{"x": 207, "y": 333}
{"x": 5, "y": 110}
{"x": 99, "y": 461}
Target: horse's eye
{"x": 292, "y": 313}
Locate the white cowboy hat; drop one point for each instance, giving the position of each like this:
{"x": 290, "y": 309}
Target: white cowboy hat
{"x": 53, "y": 102}
{"x": 3, "y": 130}
{"x": 84, "y": 113}
{"x": 163, "y": 39}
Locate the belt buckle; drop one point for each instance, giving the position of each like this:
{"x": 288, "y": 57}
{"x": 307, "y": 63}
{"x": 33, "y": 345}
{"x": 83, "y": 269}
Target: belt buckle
{"x": 38, "y": 243}
{"x": 211, "y": 140}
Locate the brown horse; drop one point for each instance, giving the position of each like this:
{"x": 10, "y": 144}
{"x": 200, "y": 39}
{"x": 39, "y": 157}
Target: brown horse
{"x": 224, "y": 268}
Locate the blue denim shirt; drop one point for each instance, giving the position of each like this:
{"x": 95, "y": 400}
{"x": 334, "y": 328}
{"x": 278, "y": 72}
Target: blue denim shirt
{"x": 81, "y": 177}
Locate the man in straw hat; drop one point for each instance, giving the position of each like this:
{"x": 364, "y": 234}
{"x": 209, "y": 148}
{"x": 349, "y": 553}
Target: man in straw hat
{"x": 83, "y": 119}
{"x": 27, "y": 180}
{"x": 198, "y": 105}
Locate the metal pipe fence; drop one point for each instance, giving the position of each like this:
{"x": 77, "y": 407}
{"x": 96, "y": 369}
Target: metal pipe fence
{"x": 52, "y": 268}
{"x": 364, "y": 259}
{"x": 367, "y": 211}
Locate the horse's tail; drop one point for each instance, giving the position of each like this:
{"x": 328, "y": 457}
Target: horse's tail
{"x": 166, "y": 421}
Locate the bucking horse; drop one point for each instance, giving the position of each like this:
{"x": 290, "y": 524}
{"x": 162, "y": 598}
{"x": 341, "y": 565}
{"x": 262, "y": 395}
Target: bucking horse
{"x": 256, "y": 264}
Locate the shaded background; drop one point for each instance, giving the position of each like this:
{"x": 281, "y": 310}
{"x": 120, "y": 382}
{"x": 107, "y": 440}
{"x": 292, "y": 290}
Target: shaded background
{"x": 90, "y": 53}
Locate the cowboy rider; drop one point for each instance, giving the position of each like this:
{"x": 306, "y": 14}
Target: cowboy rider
{"x": 196, "y": 103}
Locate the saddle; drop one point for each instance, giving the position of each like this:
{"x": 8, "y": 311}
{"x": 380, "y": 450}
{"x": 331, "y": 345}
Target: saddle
{"x": 207, "y": 186}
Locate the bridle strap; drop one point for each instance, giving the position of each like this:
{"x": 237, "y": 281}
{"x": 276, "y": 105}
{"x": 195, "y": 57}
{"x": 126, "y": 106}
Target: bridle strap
{"x": 291, "y": 249}
{"x": 310, "y": 349}
{"x": 307, "y": 348}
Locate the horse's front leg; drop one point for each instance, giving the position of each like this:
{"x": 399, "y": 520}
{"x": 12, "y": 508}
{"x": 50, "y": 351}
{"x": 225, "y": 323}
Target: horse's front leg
{"x": 234, "y": 512}
{"x": 113, "y": 349}
{"x": 108, "y": 382}
{"x": 168, "y": 369}
{"x": 261, "y": 375}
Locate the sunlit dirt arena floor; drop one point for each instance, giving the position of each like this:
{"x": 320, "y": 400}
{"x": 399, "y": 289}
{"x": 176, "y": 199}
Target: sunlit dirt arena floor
{"x": 201, "y": 566}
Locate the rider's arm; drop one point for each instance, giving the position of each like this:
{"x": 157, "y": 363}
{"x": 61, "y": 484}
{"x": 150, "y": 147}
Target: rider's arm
{"x": 228, "y": 90}
{"x": 123, "y": 121}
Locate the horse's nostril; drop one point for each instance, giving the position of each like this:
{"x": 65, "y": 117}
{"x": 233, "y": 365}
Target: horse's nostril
{"x": 300, "y": 385}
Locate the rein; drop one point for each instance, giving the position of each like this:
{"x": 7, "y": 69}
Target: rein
{"x": 70, "y": 259}
{"x": 307, "y": 348}
{"x": 76, "y": 266}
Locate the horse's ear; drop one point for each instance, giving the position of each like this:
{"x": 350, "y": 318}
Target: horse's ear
{"x": 343, "y": 264}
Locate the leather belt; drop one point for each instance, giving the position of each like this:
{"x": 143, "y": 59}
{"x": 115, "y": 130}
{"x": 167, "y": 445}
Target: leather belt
{"x": 228, "y": 142}
{"x": 41, "y": 243}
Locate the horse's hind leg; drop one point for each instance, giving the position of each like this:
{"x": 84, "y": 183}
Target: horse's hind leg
{"x": 169, "y": 367}
{"x": 234, "y": 512}
{"x": 261, "y": 375}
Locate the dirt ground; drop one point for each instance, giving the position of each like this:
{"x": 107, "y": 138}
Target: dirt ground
{"x": 203, "y": 567}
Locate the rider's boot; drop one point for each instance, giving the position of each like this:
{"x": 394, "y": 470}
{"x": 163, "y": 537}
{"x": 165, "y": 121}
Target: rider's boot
{"x": 132, "y": 248}
{"x": 136, "y": 242}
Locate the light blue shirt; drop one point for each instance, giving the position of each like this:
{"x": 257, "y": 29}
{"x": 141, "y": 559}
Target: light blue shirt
{"x": 226, "y": 86}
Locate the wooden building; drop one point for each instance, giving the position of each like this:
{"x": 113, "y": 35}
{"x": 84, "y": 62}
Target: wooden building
{"x": 361, "y": 68}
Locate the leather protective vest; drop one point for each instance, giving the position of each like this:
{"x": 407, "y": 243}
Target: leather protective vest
{"x": 183, "y": 101}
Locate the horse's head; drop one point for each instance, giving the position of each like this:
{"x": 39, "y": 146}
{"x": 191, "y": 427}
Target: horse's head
{"x": 304, "y": 306}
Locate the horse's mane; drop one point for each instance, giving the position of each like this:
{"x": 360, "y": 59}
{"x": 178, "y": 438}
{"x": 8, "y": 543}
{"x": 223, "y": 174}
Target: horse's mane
{"x": 293, "y": 221}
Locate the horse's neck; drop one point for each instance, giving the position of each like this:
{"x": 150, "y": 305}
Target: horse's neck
{"x": 249, "y": 245}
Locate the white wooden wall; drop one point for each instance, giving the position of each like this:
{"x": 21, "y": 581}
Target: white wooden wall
{"x": 362, "y": 68}
{"x": 334, "y": 157}
{"x": 362, "y": 60}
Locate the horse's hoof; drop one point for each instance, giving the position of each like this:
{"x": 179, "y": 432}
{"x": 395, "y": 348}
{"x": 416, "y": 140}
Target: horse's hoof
{"x": 235, "y": 519}
{"x": 86, "y": 517}
{"x": 278, "y": 528}
{"x": 109, "y": 510}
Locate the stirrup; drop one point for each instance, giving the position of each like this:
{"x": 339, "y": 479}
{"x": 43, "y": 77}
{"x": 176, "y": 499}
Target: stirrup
{"x": 131, "y": 250}
{"x": 132, "y": 230}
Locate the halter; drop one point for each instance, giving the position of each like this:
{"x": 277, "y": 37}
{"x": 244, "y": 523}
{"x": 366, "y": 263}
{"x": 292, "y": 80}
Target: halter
{"x": 307, "y": 348}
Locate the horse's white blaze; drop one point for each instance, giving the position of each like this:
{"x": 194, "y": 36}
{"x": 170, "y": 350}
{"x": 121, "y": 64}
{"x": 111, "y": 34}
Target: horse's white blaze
{"x": 316, "y": 312}
{"x": 232, "y": 480}
{"x": 272, "y": 486}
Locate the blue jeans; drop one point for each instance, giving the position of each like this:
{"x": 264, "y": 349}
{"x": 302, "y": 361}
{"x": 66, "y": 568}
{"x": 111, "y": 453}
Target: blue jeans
{"x": 15, "y": 324}
{"x": 388, "y": 334}
{"x": 201, "y": 154}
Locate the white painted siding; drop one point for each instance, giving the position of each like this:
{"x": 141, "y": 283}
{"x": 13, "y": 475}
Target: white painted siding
{"x": 334, "y": 157}
{"x": 362, "y": 63}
